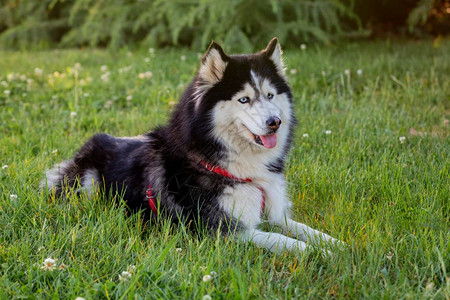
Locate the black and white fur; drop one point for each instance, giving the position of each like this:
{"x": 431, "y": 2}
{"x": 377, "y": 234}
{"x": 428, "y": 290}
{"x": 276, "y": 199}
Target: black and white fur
{"x": 237, "y": 114}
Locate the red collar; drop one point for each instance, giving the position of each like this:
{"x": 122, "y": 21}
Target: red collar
{"x": 218, "y": 170}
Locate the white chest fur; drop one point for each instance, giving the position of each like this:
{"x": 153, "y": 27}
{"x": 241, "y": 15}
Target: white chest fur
{"x": 243, "y": 201}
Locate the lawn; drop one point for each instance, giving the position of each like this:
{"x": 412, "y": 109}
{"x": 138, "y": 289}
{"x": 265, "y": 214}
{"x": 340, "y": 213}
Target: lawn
{"x": 370, "y": 165}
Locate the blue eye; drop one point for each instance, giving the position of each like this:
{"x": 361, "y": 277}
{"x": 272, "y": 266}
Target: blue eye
{"x": 269, "y": 96}
{"x": 244, "y": 100}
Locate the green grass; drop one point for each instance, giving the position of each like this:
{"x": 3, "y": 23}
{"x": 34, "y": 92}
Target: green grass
{"x": 389, "y": 200}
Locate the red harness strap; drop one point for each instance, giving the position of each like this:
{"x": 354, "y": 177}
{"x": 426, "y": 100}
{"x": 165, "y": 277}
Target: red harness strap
{"x": 215, "y": 169}
{"x": 151, "y": 200}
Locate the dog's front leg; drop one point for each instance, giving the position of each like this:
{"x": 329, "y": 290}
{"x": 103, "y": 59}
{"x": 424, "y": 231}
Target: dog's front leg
{"x": 272, "y": 241}
{"x": 306, "y": 233}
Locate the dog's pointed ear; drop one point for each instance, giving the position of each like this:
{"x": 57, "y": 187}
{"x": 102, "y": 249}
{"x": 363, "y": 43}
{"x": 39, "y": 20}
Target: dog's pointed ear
{"x": 213, "y": 65}
{"x": 275, "y": 54}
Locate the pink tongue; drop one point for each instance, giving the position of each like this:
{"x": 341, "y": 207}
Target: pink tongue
{"x": 269, "y": 141}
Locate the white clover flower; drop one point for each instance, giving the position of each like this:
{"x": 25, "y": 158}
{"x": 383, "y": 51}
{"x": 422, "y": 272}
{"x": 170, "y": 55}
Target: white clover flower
{"x": 305, "y": 135}
{"x": 55, "y": 151}
{"x": 56, "y": 74}
{"x": 5, "y": 167}
{"x": 213, "y": 274}
{"x": 13, "y": 197}
{"x": 293, "y": 71}
{"x": 38, "y": 71}
{"x": 151, "y": 50}
{"x": 23, "y": 77}
{"x": 323, "y": 73}
{"x": 327, "y": 131}
{"x": 4, "y": 84}
{"x": 79, "y": 298}
{"x": 77, "y": 66}
{"x": 202, "y": 268}
{"x": 129, "y": 97}
{"x": 144, "y": 75}
{"x": 389, "y": 255}
{"x": 148, "y": 74}
{"x": 147, "y": 59}
{"x": 73, "y": 114}
{"x": 108, "y": 104}
{"x": 359, "y": 72}
{"x": 105, "y": 76}
{"x": 125, "y": 276}
{"x": 207, "y": 278}
{"x": 179, "y": 250}
{"x": 49, "y": 264}
{"x": 104, "y": 68}
{"x": 206, "y": 297}
{"x": 303, "y": 46}
{"x": 429, "y": 287}
{"x": 7, "y": 92}
{"x": 347, "y": 72}
{"x": 10, "y": 77}
{"x": 125, "y": 69}
{"x": 131, "y": 269}
{"x": 402, "y": 139}
{"x": 183, "y": 57}
{"x": 86, "y": 95}
{"x": 82, "y": 82}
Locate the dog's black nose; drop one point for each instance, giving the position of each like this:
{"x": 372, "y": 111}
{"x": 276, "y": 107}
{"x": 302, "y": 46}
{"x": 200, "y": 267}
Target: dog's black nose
{"x": 273, "y": 123}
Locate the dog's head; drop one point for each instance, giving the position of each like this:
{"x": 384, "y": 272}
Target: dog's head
{"x": 246, "y": 96}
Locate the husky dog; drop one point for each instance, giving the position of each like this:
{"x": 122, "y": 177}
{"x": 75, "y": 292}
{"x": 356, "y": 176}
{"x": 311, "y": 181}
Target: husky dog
{"x": 220, "y": 159}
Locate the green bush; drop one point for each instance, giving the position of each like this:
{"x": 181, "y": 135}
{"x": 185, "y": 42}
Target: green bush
{"x": 115, "y": 23}
{"x": 430, "y": 16}
{"x": 240, "y": 24}
{"x": 26, "y": 23}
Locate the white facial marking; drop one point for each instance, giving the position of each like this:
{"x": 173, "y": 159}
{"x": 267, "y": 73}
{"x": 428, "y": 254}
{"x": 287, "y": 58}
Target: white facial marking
{"x": 255, "y": 79}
